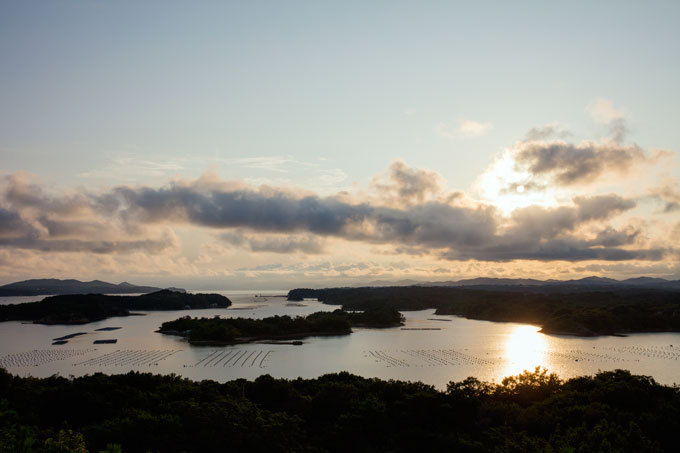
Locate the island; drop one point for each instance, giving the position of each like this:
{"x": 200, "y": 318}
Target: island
{"x": 85, "y": 308}
{"x": 222, "y": 331}
{"x": 53, "y": 286}
{"x": 581, "y": 313}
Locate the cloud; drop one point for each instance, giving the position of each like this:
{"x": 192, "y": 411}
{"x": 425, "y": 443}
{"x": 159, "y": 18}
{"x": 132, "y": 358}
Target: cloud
{"x": 557, "y": 250}
{"x": 627, "y": 270}
{"x": 465, "y": 129}
{"x": 75, "y": 221}
{"x": 66, "y": 228}
{"x": 11, "y": 224}
{"x": 522, "y": 187}
{"x": 539, "y": 233}
{"x": 675, "y": 232}
{"x": 269, "y": 163}
{"x": 602, "y": 111}
{"x": 126, "y": 219}
{"x": 601, "y": 206}
{"x": 545, "y": 234}
{"x": 463, "y": 232}
{"x": 610, "y": 237}
{"x": 550, "y": 130}
{"x": 271, "y": 211}
{"x": 20, "y": 190}
{"x": 93, "y": 246}
{"x": 127, "y": 167}
{"x": 546, "y": 168}
{"x": 306, "y": 244}
{"x": 669, "y": 194}
{"x": 469, "y": 128}
{"x": 570, "y": 164}
{"x": 535, "y": 222}
{"x": 404, "y": 185}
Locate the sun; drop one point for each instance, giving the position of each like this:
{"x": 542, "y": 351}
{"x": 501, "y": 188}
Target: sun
{"x": 508, "y": 187}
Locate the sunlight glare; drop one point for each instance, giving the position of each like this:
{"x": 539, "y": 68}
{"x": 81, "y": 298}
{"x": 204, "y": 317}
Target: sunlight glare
{"x": 525, "y": 349}
{"x": 507, "y": 187}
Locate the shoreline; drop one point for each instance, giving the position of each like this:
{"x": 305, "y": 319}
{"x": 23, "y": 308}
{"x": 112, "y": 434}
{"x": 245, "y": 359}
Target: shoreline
{"x": 254, "y": 339}
{"x": 570, "y": 333}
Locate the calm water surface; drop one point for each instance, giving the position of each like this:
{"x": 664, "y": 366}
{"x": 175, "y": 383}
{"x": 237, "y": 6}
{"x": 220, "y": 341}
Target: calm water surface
{"x": 448, "y": 348}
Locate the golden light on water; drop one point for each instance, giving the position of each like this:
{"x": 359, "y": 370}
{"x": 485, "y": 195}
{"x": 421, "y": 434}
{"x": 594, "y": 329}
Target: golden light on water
{"x": 525, "y": 349}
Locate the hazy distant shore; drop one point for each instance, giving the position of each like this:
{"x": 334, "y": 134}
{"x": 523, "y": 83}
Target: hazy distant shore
{"x": 53, "y": 286}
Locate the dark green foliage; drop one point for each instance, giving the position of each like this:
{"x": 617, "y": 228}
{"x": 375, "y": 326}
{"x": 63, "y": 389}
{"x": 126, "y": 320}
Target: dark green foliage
{"x": 535, "y": 411}
{"x": 579, "y": 313}
{"x": 227, "y": 330}
{"x": 376, "y": 317}
{"x": 84, "y": 308}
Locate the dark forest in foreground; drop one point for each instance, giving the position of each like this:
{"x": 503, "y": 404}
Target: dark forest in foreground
{"x": 583, "y": 313}
{"x": 611, "y": 411}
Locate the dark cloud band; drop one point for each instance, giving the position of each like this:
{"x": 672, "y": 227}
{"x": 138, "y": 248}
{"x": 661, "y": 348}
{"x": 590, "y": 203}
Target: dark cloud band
{"x": 297, "y": 223}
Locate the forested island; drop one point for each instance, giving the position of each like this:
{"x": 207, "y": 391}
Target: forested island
{"x": 585, "y": 313}
{"x": 85, "y": 308}
{"x": 242, "y": 330}
{"x": 535, "y": 411}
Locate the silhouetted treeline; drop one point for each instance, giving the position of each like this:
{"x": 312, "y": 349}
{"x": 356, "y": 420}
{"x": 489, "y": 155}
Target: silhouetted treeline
{"x": 231, "y": 330}
{"x": 612, "y": 411}
{"x": 579, "y": 313}
{"x": 84, "y": 308}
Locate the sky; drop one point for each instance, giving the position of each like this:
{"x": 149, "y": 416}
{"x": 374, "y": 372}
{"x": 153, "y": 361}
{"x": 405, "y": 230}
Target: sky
{"x": 239, "y": 145}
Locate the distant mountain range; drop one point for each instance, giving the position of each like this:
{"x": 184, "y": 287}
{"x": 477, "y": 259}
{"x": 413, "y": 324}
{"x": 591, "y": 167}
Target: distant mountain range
{"x": 529, "y": 284}
{"x": 53, "y": 286}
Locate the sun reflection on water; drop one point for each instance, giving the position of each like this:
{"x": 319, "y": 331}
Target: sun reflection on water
{"x": 525, "y": 349}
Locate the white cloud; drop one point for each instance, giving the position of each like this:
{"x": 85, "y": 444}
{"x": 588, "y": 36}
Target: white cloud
{"x": 602, "y": 111}
{"x": 465, "y": 129}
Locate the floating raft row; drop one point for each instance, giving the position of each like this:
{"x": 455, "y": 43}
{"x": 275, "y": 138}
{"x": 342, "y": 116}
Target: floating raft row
{"x": 69, "y": 336}
{"x": 652, "y": 352}
{"x": 425, "y": 357}
{"x": 39, "y": 357}
{"x": 575, "y": 355}
{"x": 421, "y": 328}
{"x": 233, "y": 358}
{"x": 107, "y": 329}
{"x": 111, "y": 341}
{"x": 128, "y": 357}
